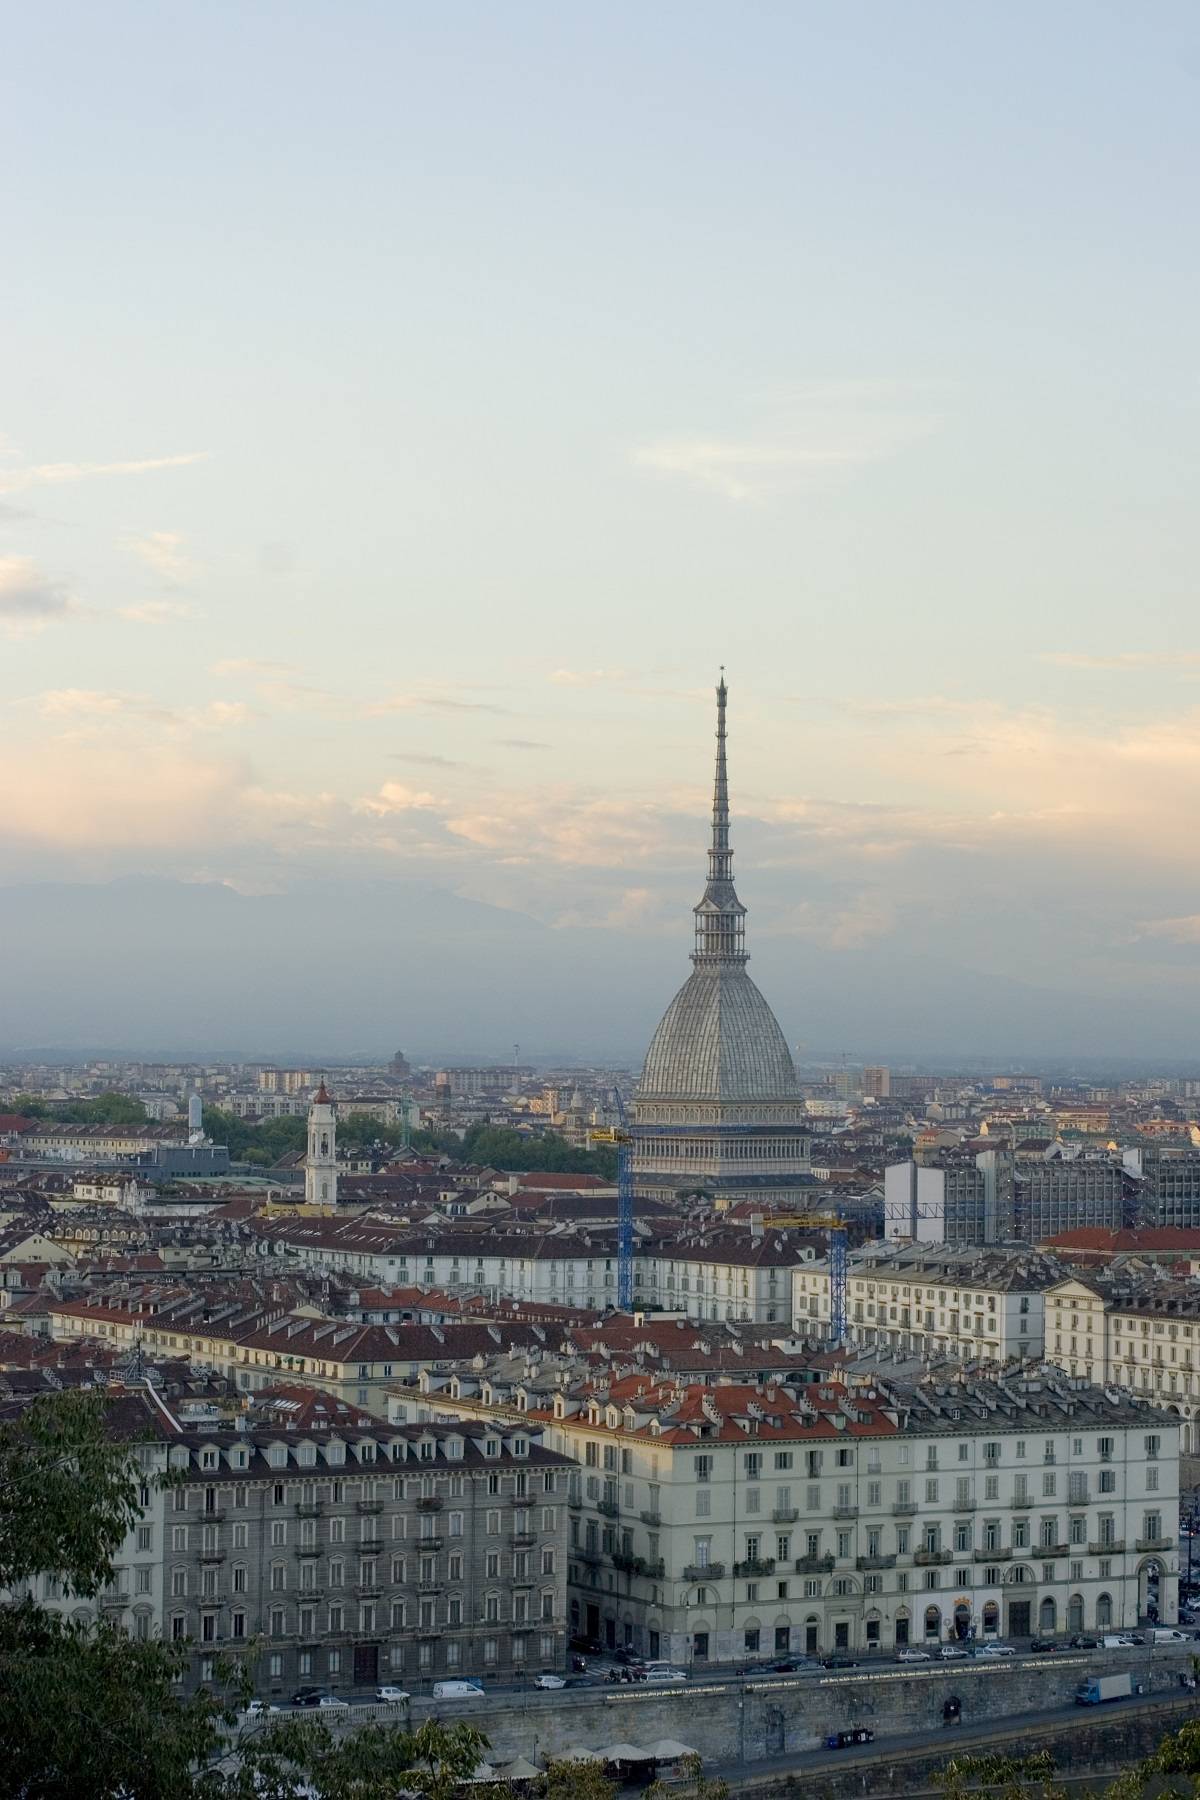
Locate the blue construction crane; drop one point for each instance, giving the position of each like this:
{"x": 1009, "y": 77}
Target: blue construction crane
{"x": 836, "y": 1228}
{"x": 622, "y": 1138}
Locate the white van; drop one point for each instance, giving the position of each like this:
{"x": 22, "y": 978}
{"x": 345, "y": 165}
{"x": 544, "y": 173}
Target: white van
{"x": 457, "y": 1690}
{"x": 661, "y": 1672}
{"x": 1171, "y": 1637}
{"x": 1116, "y": 1640}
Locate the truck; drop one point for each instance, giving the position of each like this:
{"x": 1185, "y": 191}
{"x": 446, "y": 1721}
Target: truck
{"x": 1098, "y": 1688}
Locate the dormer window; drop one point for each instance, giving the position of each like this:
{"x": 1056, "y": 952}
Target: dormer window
{"x": 520, "y": 1446}
{"x": 453, "y": 1447}
{"x": 277, "y": 1456}
{"x": 428, "y": 1450}
{"x": 306, "y": 1455}
{"x": 491, "y": 1446}
{"x": 240, "y": 1459}
{"x": 208, "y": 1459}
{"x": 335, "y": 1454}
{"x": 366, "y": 1453}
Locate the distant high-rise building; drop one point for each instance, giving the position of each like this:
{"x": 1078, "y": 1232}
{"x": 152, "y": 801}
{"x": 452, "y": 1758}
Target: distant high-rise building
{"x": 876, "y": 1083}
{"x": 718, "y": 1108}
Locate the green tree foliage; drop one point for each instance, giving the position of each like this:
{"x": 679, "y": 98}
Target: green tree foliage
{"x": 264, "y": 1143}
{"x": 577, "y": 1781}
{"x": 1005, "y": 1777}
{"x": 501, "y": 1148}
{"x": 359, "y": 1131}
{"x": 696, "y": 1785}
{"x": 103, "y": 1109}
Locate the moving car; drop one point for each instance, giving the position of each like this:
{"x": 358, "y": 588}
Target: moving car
{"x": 313, "y": 1696}
{"x": 457, "y": 1690}
{"x": 914, "y": 1656}
{"x": 997, "y": 1650}
{"x": 1039, "y": 1645}
{"x": 549, "y": 1682}
{"x": 1082, "y": 1642}
{"x": 858, "y": 1734}
{"x": 659, "y": 1675}
{"x": 391, "y": 1694}
{"x": 838, "y": 1662}
{"x": 257, "y": 1708}
{"x": 1170, "y": 1637}
{"x": 949, "y": 1650}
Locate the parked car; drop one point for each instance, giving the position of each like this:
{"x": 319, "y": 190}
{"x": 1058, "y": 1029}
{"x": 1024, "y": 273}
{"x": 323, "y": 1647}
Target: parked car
{"x": 310, "y": 1696}
{"x": 858, "y": 1734}
{"x": 838, "y": 1662}
{"x": 1081, "y": 1642}
{"x": 550, "y": 1682}
{"x": 914, "y": 1656}
{"x": 1171, "y": 1637}
{"x": 673, "y": 1677}
{"x": 949, "y": 1650}
{"x": 392, "y": 1695}
{"x": 788, "y": 1665}
{"x": 458, "y": 1690}
{"x": 997, "y": 1650}
{"x": 1039, "y": 1645}
{"x": 257, "y": 1708}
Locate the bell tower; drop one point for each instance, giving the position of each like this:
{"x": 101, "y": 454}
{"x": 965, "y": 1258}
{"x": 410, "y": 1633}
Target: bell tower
{"x": 320, "y": 1164}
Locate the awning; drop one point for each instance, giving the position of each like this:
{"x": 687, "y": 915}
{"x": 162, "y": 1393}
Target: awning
{"x": 519, "y": 1769}
{"x": 626, "y": 1753}
{"x": 483, "y": 1772}
{"x": 670, "y": 1750}
{"x": 578, "y": 1754}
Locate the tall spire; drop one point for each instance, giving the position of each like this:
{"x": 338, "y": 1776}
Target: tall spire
{"x": 720, "y": 916}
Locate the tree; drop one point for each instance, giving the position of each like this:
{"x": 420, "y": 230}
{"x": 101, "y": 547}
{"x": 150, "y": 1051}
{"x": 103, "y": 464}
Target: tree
{"x": 1005, "y": 1777}
{"x": 697, "y": 1785}
{"x": 576, "y": 1781}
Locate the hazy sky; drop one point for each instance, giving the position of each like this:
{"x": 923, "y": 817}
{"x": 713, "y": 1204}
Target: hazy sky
{"x": 405, "y": 409}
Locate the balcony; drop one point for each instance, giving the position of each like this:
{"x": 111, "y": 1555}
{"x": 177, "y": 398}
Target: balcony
{"x": 214, "y": 1517}
{"x": 904, "y": 1509}
{"x": 427, "y": 1546}
{"x": 754, "y": 1565}
{"x": 574, "y": 1501}
{"x": 430, "y": 1587}
{"x": 926, "y": 1559}
{"x": 368, "y": 1506}
{"x": 1052, "y": 1550}
{"x": 628, "y": 1564}
{"x": 430, "y": 1503}
{"x": 608, "y": 1509}
{"x": 703, "y": 1571}
{"x": 308, "y": 1509}
{"x": 845, "y": 1512}
{"x": 522, "y": 1540}
{"x": 785, "y": 1515}
{"x": 962, "y": 1506}
{"x": 368, "y": 1590}
{"x": 305, "y": 1550}
{"x": 1021, "y": 1500}
{"x": 590, "y": 1556}
{"x": 864, "y": 1563}
{"x": 1153, "y": 1543}
{"x": 1110, "y": 1547}
{"x": 991, "y": 1556}
{"x": 814, "y": 1565}
{"x": 653, "y": 1519}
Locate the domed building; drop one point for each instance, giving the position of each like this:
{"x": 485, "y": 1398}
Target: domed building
{"x": 718, "y": 1107}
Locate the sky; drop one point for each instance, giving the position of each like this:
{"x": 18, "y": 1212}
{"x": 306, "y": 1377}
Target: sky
{"x": 404, "y": 412}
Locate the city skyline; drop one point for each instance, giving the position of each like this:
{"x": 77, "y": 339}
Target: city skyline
{"x": 443, "y": 401}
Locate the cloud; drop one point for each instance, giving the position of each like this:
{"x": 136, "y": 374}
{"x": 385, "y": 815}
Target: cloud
{"x": 1123, "y": 659}
{"x": 429, "y": 762}
{"x": 163, "y": 552}
{"x": 437, "y": 703}
{"x": 155, "y": 612}
{"x": 587, "y": 677}
{"x": 394, "y": 797}
{"x": 29, "y": 598}
{"x": 13, "y": 480}
{"x": 522, "y": 744}
{"x": 1185, "y": 930}
{"x": 820, "y": 429}
{"x": 249, "y": 665}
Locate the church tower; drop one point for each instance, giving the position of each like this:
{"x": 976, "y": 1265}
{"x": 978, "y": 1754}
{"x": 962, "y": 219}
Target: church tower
{"x": 320, "y": 1164}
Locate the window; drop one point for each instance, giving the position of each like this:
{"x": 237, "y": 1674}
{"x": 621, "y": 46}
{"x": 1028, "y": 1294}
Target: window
{"x": 702, "y": 1468}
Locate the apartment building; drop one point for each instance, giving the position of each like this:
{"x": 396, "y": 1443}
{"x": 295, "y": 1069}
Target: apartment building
{"x": 347, "y": 1550}
{"x": 1168, "y": 1185}
{"x": 714, "y": 1273}
{"x": 990, "y": 1197}
{"x": 1140, "y": 1336}
{"x": 736, "y": 1520}
{"x": 968, "y": 1305}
